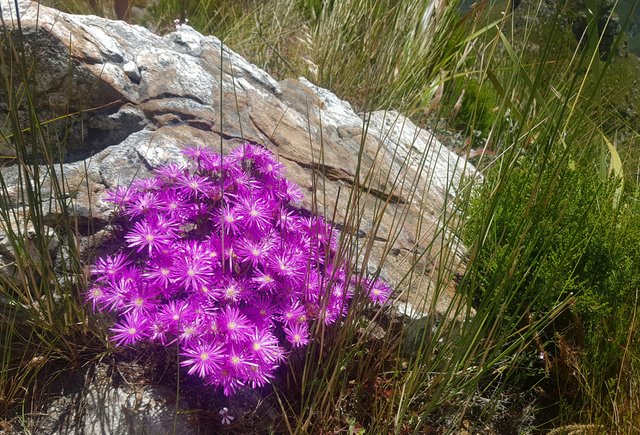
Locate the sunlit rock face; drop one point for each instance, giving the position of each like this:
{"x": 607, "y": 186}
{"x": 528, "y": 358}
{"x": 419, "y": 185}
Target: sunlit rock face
{"x": 137, "y": 98}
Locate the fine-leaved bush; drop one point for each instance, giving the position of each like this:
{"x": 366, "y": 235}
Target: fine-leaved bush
{"x": 218, "y": 259}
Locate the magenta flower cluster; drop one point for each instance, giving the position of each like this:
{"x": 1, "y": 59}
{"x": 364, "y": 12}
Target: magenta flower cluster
{"x": 217, "y": 259}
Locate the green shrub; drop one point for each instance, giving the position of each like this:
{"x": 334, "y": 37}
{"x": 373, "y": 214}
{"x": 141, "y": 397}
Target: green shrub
{"x": 478, "y": 104}
{"x": 558, "y": 234}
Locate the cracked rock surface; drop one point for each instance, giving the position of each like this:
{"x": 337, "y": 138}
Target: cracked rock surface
{"x": 102, "y": 400}
{"x": 141, "y": 97}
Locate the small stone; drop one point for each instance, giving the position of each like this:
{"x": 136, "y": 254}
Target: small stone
{"x": 131, "y": 70}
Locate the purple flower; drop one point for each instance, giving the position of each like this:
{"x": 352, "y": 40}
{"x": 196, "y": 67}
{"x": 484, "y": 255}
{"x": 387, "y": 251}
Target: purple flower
{"x": 340, "y": 292}
{"x": 313, "y": 286}
{"x": 133, "y": 328}
{"x": 264, "y": 280}
{"x": 120, "y": 196}
{"x": 265, "y": 347}
{"x": 322, "y": 234}
{"x": 229, "y": 379}
{"x": 261, "y": 312}
{"x": 290, "y": 192}
{"x": 198, "y": 250}
{"x": 254, "y": 252}
{"x": 217, "y": 262}
{"x": 141, "y": 301}
{"x": 330, "y": 313}
{"x": 146, "y": 184}
{"x": 159, "y": 331}
{"x": 195, "y": 153}
{"x": 191, "y": 272}
{"x": 243, "y": 183}
{"x": 229, "y": 219}
{"x": 158, "y": 272}
{"x": 288, "y": 264}
{"x": 148, "y": 235}
{"x": 189, "y": 332}
{"x": 116, "y": 293}
{"x": 95, "y": 295}
{"x": 193, "y": 186}
{"x": 172, "y": 202}
{"x": 288, "y": 221}
{"x": 256, "y": 213}
{"x": 233, "y": 290}
{"x": 297, "y": 334}
{"x": 109, "y": 267}
{"x": 379, "y": 292}
{"x": 174, "y": 313}
{"x": 142, "y": 204}
{"x": 269, "y": 167}
{"x": 211, "y": 162}
{"x": 171, "y": 172}
{"x": 234, "y": 324}
{"x": 239, "y": 361}
{"x": 259, "y": 375}
{"x": 246, "y": 151}
{"x": 293, "y": 312}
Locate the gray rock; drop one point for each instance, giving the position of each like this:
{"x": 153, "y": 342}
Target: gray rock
{"x": 100, "y": 405}
{"x": 131, "y": 70}
{"x": 150, "y": 95}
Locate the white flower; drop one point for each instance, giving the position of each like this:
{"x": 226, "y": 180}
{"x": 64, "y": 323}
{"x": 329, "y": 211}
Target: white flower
{"x": 225, "y": 417}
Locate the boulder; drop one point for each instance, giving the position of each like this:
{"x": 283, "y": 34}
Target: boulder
{"x": 105, "y": 401}
{"x": 137, "y": 98}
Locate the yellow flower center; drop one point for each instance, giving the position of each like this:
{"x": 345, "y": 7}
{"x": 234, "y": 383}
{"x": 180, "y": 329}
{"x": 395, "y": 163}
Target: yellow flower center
{"x": 204, "y": 356}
